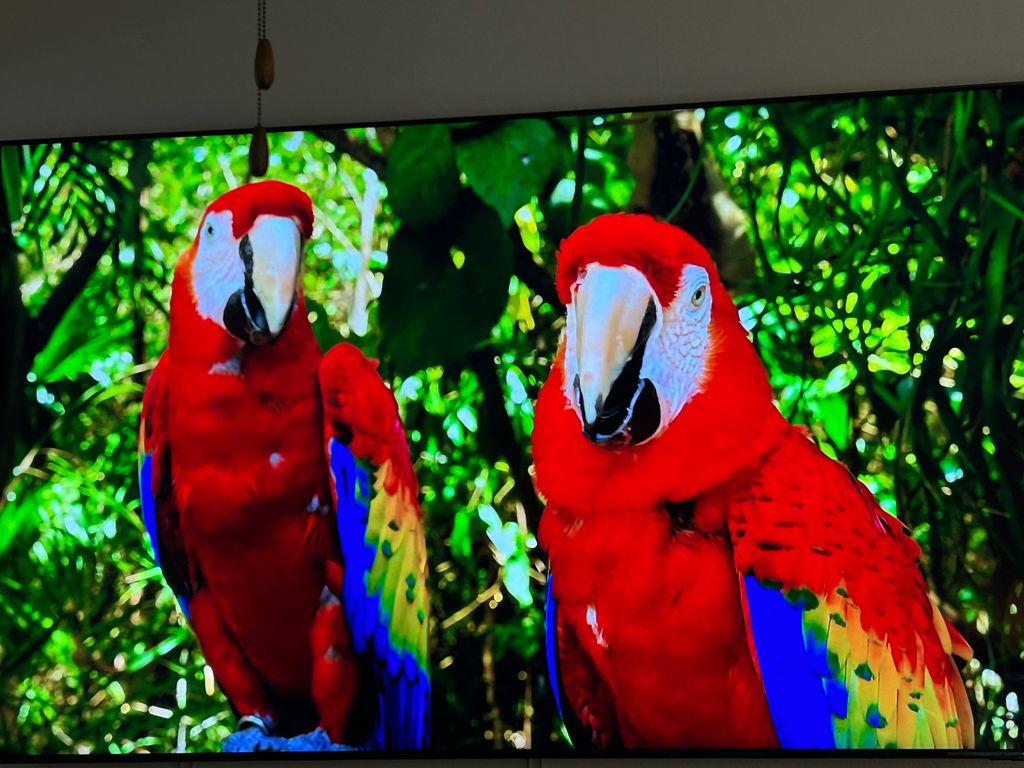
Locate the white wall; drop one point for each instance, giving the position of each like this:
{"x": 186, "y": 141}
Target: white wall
{"x": 125, "y": 66}
{"x": 102, "y": 67}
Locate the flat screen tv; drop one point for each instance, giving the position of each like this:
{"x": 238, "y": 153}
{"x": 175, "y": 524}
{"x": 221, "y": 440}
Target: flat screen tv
{"x": 664, "y": 431}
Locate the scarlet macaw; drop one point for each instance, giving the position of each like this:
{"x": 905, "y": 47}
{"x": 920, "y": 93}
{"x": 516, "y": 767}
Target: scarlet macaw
{"x": 278, "y": 493}
{"x": 715, "y": 580}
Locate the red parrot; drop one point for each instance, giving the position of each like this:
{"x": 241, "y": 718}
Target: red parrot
{"x": 278, "y": 492}
{"x": 714, "y": 579}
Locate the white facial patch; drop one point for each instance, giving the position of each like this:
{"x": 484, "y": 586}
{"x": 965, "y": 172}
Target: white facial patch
{"x": 217, "y": 270}
{"x": 677, "y": 351}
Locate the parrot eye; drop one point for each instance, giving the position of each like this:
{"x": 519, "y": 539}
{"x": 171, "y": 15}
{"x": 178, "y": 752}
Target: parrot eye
{"x": 209, "y": 229}
{"x": 698, "y": 296}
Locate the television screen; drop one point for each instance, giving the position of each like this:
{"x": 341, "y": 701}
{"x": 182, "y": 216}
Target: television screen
{"x": 628, "y": 432}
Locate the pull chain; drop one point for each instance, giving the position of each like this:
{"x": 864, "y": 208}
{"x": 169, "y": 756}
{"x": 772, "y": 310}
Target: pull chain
{"x": 259, "y": 151}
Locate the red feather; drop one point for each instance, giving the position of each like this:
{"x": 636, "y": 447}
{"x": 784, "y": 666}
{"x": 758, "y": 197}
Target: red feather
{"x": 635, "y": 239}
{"x": 819, "y": 527}
{"x": 262, "y": 198}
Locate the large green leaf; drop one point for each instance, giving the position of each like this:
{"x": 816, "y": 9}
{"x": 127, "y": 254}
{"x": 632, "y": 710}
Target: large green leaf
{"x": 835, "y": 418}
{"x": 17, "y": 515}
{"x": 511, "y": 164}
{"x": 421, "y": 176}
{"x": 81, "y": 338}
{"x": 445, "y": 286}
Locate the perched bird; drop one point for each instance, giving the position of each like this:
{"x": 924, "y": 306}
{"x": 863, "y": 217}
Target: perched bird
{"x": 714, "y": 579}
{"x": 278, "y": 492}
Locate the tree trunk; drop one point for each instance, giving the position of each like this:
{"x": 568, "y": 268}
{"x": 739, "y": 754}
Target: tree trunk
{"x": 677, "y": 180}
{"x": 137, "y": 223}
{"x": 14, "y": 363}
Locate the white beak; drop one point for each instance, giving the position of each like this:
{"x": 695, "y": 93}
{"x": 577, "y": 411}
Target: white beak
{"x": 276, "y": 265}
{"x": 615, "y": 310}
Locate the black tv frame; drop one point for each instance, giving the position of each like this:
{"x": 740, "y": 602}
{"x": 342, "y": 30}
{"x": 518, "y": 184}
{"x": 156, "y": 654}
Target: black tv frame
{"x": 532, "y": 753}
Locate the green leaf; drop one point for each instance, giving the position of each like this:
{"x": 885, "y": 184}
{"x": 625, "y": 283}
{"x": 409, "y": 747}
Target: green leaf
{"x": 489, "y": 515}
{"x": 962, "y": 109}
{"x": 421, "y": 176}
{"x": 824, "y": 341}
{"x": 461, "y": 542}
{"x": 840, "y": 377}
{"x": 835, "y": 418}
{"x": 164, "y": 647}
{"x": 78, "y": 342}
{"x": 17, "y": 515}
{"x": 431, "y": 311}
{"x": 1003, "y": 245}
{"x": 509, "y": 166}
{"x": 516, "y": 578}
{"x": 1006, "y": 203}
{"x": 10, "y": 179}
{"x": 510, "y": 546}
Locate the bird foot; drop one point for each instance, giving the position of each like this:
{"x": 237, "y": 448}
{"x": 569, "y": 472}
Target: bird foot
{"x": 254, "y": 721}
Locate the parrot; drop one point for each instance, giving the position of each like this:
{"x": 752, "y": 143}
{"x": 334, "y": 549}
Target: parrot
{"x": 278, "y": 493}
{"x": 714, "y": 580}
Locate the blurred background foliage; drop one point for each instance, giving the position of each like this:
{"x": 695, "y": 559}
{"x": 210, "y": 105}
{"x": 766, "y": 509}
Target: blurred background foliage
{"x": 875, "y": 247}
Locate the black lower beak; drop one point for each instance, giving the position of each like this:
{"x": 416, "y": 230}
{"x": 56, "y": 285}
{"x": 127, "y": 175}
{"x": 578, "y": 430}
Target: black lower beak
{"x": 245, "y": 319}
{"x": 626, "y": 419}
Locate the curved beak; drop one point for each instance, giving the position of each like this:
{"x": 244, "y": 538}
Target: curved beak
{"x": 615, "y": 313}
{"x": 271, "y": 253}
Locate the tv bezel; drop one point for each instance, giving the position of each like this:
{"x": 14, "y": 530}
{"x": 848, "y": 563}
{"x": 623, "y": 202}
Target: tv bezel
{"x": 532, "y": 753}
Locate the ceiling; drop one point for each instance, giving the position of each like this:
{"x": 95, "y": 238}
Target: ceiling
{"x": 72, "y": 68}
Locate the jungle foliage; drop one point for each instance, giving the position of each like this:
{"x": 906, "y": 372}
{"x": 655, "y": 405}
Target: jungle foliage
{"x": 875, "y": 246}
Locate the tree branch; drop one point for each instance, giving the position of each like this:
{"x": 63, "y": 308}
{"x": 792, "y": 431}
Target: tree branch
{"x": 502, "y": 433}
{"x": 358, "y": 150}
{"x": 43, "y": 325}
{"x": 677, "y": 180}
{"x": 13, "y": 321}
{"x": 533, "y": 275}
{"x": 579, "y": 178}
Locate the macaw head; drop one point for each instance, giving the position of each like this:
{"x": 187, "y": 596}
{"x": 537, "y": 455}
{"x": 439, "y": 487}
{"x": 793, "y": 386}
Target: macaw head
{"x": 247, "y": 259}
{"x": 643, "y": 301}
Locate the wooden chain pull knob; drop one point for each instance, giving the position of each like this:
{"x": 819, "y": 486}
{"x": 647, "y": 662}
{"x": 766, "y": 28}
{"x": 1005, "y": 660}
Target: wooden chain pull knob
{"x": 259, "y": 152}
{"x": 264, "y": 64}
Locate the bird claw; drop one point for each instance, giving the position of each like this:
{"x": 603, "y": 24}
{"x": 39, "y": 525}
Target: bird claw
{"x": 254, "y": 721}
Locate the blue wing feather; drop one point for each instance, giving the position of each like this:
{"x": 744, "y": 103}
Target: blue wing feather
{"x": 402, "y": 720}
{"x": 551, "y": 646}
{"x": 580, "y": 736}
{"x": 149, "y": 503}
{"x": 149, "y": 520}
{"x": 794, "y": 669}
